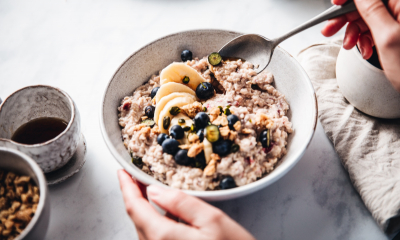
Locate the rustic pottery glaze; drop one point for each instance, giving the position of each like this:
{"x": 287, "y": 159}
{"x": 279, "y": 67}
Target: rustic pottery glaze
{"x": 290, "y": 79}
{"x": 15, "y": 161}
{"x": 39, "y": 101}
{"x": 366, "y": 86}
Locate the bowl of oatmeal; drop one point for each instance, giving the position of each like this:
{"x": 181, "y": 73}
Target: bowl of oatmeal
{"x": 178, "y": 114}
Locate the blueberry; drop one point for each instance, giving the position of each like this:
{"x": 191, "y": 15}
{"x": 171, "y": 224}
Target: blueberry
{"x": 149, "y": 111}
{"x": 177, "y": 132}
{"x": 232, "y": 119}
{"x": 154, "y": 92}
{"x": 222, "y": 147}
{"x": 200, "y": 133}
{"x": 265, "y": 138}
{"x": 182, "y": 158}
{"x": 170, "y": 146}
{"x": 205, "y": 90}
{"x": 186, "y": 55}
{"x": 227, "y": 183}
{"x": 161, "y": 138}
{"x": 200, "y": 161}
{"x": 201, "y": 120}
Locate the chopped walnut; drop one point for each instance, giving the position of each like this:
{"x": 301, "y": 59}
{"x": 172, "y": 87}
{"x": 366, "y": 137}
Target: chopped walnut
{"x": 192, "y": 109}
{"x": 146, "y": 131}
{"x": 263, "y": 121}
{"x": 221, "y": 120}
{"x": 224, "y": 131}
{"x": 185, "y": 146}
{"x": 138, "y": 127}
{"x": 247, "y": 131}
{"x": 17, "y": 205}
{"x": 215, "y": 157}
{"x": 193, "y": 138}
{"x": 144, "y": 118}
{"x": 155, "y": 130}
{"x": 232, "y": 135}
{"x": 237, "y": 126}
{"x": 195, "y": 149}
{"x": 210, "y": 168}
{"x": 214, "y": 113}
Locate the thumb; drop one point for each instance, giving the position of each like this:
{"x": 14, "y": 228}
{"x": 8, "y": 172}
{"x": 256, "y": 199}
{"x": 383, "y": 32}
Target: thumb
{"x": 190, "y": 209}
{"x": 375, "y": 14}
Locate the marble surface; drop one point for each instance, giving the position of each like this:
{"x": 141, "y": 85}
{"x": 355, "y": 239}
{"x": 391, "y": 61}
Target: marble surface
{"x": 77, "y": 46}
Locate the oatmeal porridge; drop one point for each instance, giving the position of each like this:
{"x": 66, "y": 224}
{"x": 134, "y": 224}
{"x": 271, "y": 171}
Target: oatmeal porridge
{"x": 206, "y": 124}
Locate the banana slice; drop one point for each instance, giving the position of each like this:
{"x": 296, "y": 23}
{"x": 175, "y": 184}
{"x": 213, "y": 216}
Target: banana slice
{"x": 207, "y": 150}
{"x": 178, "y": 102}
{"x": 164, "y": 100}
{"x": 175, "y": 72}
{"x": 188, "y": 123}
{"x": 172, "y": 87}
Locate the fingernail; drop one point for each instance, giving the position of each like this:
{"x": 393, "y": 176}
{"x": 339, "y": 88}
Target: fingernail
{"x": 362, "y": 50}
{"x": 154, "y": 191}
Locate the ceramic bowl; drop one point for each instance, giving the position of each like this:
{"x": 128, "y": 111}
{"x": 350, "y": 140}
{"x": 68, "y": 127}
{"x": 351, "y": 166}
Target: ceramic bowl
{"x": 17, "y": 162}
{"x": 366, "y": 86}
{"x": 38, "y": 101}
{"x": 290, "y": 79}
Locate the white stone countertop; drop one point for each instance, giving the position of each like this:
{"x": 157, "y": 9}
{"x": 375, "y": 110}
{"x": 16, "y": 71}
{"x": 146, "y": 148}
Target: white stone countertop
{"x": 77, "y": 45}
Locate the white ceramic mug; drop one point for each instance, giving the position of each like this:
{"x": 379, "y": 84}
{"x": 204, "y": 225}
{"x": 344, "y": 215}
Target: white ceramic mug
{"x": 366, "y": 86}
{"x": 39, "y": 101}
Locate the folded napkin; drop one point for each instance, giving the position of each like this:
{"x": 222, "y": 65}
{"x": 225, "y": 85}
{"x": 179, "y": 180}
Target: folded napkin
{"x": 368, "y": 147}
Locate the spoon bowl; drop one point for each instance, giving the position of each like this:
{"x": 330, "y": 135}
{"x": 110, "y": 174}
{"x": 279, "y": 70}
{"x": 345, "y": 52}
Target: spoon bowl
{"x": 250, "y": 47}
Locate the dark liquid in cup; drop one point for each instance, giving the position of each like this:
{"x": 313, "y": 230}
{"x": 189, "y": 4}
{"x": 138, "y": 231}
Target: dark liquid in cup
{"x": 39, "y": 130}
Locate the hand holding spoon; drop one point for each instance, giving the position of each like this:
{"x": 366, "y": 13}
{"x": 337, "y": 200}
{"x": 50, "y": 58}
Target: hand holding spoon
{"x": 258, "y": 49}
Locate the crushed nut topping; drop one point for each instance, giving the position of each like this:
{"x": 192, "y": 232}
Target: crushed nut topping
{"x": 237, "y": 126}
{"x": 193, "y": 138}
{"x": 247, "y": 131}
{"x": 195, "y": 149}
{"x": 263, "y": 121}
{"x": 185, "y": 146}
{"x": 138, "y": 127}
{"x": 192, "y": 109}
{"x": 210, "y": 169}
{"x": 214, "y": 113}
{"x": 19, "y": 198}
{"x": 144, "y": 118}
{"x": 224, "y": 131}
{"x": 215, "y": 157}
{"x": 232, "y": 135}
{"x": 221, "y": 120}
{"x": 155, "y": 130}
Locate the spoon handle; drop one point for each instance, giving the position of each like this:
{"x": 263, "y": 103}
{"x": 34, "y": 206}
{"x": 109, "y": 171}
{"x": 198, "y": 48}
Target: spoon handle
{"x": 334, "y": 11}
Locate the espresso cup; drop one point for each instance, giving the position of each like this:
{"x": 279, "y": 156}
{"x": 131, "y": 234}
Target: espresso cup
{"x": 40, "y": 101}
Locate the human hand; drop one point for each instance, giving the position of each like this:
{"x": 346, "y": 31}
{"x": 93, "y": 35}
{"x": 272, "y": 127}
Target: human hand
{"x": 373, "y": 24}
{"x": 203, "y": 220}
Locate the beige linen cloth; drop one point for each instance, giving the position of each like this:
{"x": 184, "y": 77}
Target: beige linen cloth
{"x": 368, "y": 147}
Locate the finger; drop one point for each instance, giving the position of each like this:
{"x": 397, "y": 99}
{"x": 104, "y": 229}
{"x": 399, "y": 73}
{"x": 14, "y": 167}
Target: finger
{"x": 187, "y": 208}
{"x": 365, "y": 45}
{"x": 375, "y": 15}
{"x": 335, "y": 24}
{"x": 351, "y": 36}
{"x": 339, "y": 2}
{"x": 138, "y": 208}
{"x": 143, "y": 189}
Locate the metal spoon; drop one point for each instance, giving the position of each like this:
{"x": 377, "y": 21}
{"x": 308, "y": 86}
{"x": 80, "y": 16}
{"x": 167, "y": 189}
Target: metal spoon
{"x": 258, "y": 49}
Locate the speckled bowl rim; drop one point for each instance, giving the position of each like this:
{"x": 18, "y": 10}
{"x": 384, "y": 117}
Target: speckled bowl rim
{"x": 71, "y": 120}
{"x": 42, "y": 188}
{"x": 217, "y": 195}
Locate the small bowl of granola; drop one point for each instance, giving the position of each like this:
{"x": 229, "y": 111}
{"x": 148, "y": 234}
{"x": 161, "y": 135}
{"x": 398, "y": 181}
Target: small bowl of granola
{"x": 24, "y": 202}
{"x": 179, "y": 114}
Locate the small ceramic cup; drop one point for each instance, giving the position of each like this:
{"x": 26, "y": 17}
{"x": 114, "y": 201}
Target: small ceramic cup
{"x": 39, "y": 101}
{"x": 19, "y": 163}
{"x": 366, "y": 86}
